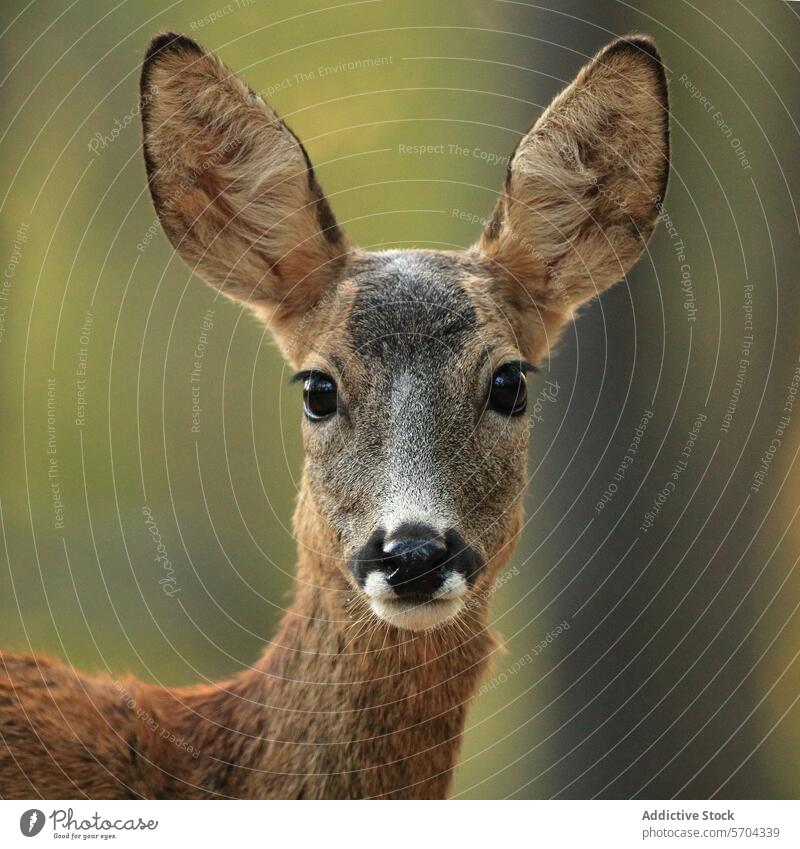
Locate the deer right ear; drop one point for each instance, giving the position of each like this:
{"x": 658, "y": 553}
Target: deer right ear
{"x": 584, "y": 186}
{"x": 233, "y": 187}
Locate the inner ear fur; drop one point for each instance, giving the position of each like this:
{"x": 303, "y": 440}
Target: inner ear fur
{"x": 232, "y": 185}
{"x": 584, "y": 185}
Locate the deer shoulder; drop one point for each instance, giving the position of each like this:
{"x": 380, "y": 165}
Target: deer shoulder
{"x": 65, "y": 734}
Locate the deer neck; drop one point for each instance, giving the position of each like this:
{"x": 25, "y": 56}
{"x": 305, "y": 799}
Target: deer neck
{"x": 341, "y": 705}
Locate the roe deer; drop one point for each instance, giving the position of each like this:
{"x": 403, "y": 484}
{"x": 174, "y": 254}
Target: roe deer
{"x": 413, "y": 365}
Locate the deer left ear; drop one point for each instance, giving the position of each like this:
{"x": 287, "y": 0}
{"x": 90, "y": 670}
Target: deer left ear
{"x": 233, "y": 187}
{"x": 584, "y": 186}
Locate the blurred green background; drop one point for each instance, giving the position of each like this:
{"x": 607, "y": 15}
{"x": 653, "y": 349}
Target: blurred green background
{"x": 678, "y": 674}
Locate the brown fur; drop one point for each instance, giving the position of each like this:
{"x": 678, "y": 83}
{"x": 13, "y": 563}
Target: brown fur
{"x": 579, "y": 203}
{"x": 342, "y": 704}
{"x": 233, "y": 186}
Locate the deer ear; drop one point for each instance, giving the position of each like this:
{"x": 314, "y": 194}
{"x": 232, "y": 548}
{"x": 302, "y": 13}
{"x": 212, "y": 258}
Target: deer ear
{"x": 584, "y": 186}
{"x": 233, "y": 186}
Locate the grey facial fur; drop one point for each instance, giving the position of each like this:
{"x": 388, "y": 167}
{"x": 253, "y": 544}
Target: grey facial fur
{"x": 415, "y": 442}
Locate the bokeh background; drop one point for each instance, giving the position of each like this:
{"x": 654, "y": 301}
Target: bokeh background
{"x": 678, "y": 674}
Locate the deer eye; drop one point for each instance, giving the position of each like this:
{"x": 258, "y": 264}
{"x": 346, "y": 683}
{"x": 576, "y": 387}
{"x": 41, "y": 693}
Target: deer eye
{"x": 319, "y": 395}
{"x": 509, "y": 393}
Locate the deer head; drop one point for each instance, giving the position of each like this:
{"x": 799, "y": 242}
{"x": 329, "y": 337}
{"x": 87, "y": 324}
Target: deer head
{"x": 413, "y": 364}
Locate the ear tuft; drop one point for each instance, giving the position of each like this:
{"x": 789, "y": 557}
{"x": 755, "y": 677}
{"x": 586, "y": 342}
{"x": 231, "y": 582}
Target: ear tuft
{"x": 636, "y": 43}
{"x": 584, "y": 186}
{"x": 168, "y": 42}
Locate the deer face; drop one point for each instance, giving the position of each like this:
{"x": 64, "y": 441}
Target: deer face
{"x": 414, "y": 364}
{"x": 415, "y": 429}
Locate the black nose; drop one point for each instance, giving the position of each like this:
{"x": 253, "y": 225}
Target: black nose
{"x": 415, "y": 560}
{"x": 412, "y": 561}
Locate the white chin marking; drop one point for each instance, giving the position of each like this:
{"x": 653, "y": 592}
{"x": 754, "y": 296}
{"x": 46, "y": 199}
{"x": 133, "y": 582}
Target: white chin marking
{"x": 446, "y": 603}
{"x": 416, "y": 616}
